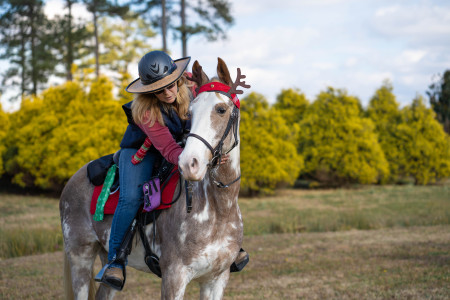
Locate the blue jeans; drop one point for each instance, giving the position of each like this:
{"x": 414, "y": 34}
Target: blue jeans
{"x": 131, "y": 194}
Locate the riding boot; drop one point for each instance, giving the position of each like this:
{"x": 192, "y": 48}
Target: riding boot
{"x": 241, "y": 261}
{"x": 114, "y": 272}
{"x": 114, "y": 277}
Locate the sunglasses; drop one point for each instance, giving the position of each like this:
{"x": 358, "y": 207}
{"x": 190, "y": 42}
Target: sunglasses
{"x": 166, "y": 88}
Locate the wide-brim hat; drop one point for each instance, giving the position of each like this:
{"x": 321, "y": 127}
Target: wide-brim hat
{"x": 156, "y": 71}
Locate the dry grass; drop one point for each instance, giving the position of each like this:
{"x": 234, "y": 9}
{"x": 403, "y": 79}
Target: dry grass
{"x": 406, "y": 255}
{"x": 29, "y": 225}
{"x": 39, "y": 212}
{"x": 368, "y": 207}
{"x": 400, "y": 263}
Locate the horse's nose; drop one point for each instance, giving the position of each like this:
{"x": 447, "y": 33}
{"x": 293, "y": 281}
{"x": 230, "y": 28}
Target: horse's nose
{"x": 193, "y": 165}
{"x": 191, "y": 168}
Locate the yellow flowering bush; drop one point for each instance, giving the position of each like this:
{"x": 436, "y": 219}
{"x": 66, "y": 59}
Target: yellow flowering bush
{"x": 338, "y": 144}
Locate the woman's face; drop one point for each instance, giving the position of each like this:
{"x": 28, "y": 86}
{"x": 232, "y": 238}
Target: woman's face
{"x": 169, "y": 94}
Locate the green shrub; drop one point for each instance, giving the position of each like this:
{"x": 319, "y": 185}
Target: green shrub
{"x": 268, "y": 152}
{"x": 338, "y": 144}
{"x": 425, "y": 145}
{"x": 384, "y": 111}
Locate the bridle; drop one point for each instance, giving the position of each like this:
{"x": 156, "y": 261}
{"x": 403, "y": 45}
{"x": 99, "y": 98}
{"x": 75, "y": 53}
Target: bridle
{"x": 217, "y": 151}
{"x": 232, "y": 126}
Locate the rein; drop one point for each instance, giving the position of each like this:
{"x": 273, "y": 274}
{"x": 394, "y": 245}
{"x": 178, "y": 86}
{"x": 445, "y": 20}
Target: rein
{"x": 232, "y": 126}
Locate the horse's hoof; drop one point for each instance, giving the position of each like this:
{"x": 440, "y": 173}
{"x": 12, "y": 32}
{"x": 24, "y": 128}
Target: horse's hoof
{"x": 240, "y": 262}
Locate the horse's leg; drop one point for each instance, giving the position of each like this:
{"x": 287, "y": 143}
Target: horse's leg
{"x": 214, "y": 288}
{"x": 174, "y": 282}
{"x": 81, "y": 261}
{"x": 104, "y": 292}
{"x": 80, "y": 240}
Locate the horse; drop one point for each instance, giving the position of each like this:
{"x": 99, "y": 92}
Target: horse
{"x": 197, "y": 246}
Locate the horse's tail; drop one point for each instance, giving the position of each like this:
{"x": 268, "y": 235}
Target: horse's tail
{"x": 68, "y": 289}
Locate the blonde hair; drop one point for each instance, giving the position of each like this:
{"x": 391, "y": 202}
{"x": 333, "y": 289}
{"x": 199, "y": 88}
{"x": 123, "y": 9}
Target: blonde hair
{"x": 146, "y": 109}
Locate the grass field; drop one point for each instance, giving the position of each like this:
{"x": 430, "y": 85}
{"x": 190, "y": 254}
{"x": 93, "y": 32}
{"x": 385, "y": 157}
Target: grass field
{"x": 303, "y": 244}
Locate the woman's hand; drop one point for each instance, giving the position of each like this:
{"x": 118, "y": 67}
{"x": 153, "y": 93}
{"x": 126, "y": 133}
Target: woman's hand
{"x": 224, "y": 159}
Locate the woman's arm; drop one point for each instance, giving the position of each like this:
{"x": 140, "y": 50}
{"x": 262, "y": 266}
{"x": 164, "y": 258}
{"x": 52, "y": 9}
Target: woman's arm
{"x": 163, "y": 141}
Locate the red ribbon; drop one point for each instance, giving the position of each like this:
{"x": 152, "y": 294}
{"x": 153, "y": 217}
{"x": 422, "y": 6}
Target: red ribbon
{"x": 222, "y": 88}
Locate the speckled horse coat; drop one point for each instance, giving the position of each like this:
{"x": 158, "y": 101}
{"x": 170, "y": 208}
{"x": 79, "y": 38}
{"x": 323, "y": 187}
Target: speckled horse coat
{"x": 198, "y": 246}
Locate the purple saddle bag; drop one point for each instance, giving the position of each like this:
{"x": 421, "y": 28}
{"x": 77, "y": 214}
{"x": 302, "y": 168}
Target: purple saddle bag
{"x": 152, "y": 194}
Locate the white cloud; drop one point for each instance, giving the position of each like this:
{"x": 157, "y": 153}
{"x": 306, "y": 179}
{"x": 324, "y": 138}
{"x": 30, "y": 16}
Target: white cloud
{"x": 414, "y": 22}
{"x": 57, "y": 7}
{"x": 257, "y": 7}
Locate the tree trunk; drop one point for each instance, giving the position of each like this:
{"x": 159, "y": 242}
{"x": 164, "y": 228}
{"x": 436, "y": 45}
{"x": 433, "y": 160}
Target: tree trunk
{"x": 447, "y": 125}
{"x": 33, "y": 51}
{"x": 69, "y": 59}
{"x": 32, "y": 24}
{"x": 183, "y": 28}
{"x": 163, "y": 25}
{"x": 97, "y": 63}
{"x": 22, "y": 60}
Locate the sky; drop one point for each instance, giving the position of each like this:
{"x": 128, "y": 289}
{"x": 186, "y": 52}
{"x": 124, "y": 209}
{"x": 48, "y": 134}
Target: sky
{"x": 313, "y": 44}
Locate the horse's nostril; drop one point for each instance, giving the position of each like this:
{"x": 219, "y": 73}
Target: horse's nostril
{"x": 194, "y": 163}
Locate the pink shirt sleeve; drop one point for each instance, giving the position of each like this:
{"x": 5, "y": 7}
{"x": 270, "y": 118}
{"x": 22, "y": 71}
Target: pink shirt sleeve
{"x": 163, "y": 141}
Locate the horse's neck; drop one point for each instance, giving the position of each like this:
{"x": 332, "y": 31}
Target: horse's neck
{"x": 222, "y": 200}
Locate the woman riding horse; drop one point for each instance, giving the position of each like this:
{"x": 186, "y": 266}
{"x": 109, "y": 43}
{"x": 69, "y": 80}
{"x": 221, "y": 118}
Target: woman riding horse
{"x": 159, "y": 112}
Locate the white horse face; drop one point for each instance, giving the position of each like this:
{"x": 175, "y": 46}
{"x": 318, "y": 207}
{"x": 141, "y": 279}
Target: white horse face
{"x": 210, "y": 113}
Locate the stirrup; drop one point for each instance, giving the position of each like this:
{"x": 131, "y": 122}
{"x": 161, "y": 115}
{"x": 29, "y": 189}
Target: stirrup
{"x": 152, "y": 262}
{"x": 239, "y": 266}
{"x": 100, "y": 277}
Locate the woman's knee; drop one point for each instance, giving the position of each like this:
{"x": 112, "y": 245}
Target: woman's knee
{"x": 131, "y": 200}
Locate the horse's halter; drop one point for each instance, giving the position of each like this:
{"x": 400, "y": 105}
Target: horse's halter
{"x": 232, "y": 126}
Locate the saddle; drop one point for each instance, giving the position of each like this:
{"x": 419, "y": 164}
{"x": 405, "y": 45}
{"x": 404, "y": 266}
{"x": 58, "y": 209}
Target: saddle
{"x": 165, "y": 173}
{"x": 167, "y": 176}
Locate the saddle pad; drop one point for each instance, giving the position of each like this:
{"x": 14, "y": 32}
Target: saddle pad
{"x": 111, "y": 203}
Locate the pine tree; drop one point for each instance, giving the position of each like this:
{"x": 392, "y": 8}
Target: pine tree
{"x": 24, "y": 33}
{"x": 439, "y": 94}
{"x": 212, "y": 16}
{"x": 4, "y": 127}
{"x": 160, "y": 12}
{"x": 69, "y": 37}
{"x": 100, "y": 8}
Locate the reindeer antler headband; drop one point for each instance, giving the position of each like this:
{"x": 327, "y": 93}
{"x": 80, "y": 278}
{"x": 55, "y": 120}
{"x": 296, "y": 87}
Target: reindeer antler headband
{"x": 219, "y": 87}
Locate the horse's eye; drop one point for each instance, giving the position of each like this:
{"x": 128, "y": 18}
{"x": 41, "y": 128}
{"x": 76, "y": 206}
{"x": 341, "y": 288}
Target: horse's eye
{"x": 220, "y": 110}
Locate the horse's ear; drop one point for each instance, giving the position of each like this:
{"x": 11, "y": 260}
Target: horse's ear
{"x": 223, "y": 73}
{"x": 198, "y": 76}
